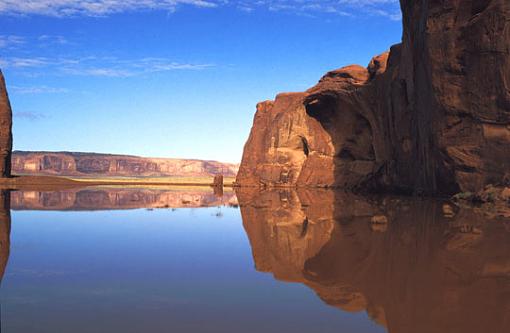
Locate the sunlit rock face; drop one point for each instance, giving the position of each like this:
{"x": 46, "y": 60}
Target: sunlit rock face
{"x": 5, "y": 130}
{"x": 412, "y": 265}
{"x": 430, "y": 116}
{"x": 105, "y": 165}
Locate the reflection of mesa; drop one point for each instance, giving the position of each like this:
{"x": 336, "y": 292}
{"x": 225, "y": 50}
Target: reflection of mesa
{"x": 119, "y": 198}
{"x": 429, "y": 117}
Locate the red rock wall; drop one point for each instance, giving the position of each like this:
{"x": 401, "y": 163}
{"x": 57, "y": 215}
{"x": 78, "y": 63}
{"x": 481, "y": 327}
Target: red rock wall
{"x": 431, "y": 116}
{"x": 5, "y": 130}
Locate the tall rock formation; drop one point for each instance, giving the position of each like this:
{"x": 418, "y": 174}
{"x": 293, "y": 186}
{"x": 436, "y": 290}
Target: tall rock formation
{"x": 430, "y": 116}
{"x": 5, "y": 130}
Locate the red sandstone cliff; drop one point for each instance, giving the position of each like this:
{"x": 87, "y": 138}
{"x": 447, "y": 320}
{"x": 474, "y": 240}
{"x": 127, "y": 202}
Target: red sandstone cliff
{"x": 431, "y": 116}
{"x": 104, "y": 165}
{"x": 5, "y": 130}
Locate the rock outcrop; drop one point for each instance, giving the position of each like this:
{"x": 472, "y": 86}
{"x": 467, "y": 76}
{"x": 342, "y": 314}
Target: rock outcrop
{"x": 105, "y": 165}
{"x": 413, "y": 265}
{"x": 5, "y": 130}
{"x": 431, "y": 116}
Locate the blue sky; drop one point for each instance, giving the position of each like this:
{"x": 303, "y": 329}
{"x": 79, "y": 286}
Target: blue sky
{"x": 172, "y": 78}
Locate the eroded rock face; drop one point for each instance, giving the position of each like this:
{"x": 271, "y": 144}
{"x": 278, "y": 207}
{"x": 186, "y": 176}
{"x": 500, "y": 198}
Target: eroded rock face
{"x": 430, "y": 116}
{"x": 104, "y": 165}
{"x": 411, "y": 264}
{"x": 5, "y": 130}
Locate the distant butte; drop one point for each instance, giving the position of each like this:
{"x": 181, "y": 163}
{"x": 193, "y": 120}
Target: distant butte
{"x": 432, "y": 116}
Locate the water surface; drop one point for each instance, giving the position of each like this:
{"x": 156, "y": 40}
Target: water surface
{"x": 156, "y": 260}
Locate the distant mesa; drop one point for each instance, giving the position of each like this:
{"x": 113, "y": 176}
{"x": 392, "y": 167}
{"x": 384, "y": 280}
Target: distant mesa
{"x": 106, "y": 165}
{"x": 76, "y": 164}
{"x": 432, "y": 116}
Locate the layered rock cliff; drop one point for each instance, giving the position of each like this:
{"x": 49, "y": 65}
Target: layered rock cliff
{"x": 104, "y": 165}
{"x": 430, "y": 116}
{"x": 5, "y": 130}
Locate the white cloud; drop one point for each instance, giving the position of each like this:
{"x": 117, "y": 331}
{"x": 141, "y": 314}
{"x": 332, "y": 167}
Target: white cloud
{"x": 37, "y": 90}
{"x": 32, "y": 116}
{"x": 11, "y": 41}
{"x": 62, "y": 8}
{"x": 100, "y": 66}
{"x": 70, "y": 8}
{"x": 52, "y": 39}
{"x": 386, "y": 8}
{"x": 16, "y": 62}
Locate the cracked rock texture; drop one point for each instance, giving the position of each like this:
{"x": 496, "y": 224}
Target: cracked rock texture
{"x": 430, "y": 116}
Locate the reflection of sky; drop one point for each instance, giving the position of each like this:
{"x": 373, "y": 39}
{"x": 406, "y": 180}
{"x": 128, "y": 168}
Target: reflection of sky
{"x": 131, "y": 271}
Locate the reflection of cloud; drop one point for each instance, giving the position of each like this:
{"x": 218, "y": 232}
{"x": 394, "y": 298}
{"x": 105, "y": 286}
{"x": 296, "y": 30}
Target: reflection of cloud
{"x": 37, "y": 90}
{"x": 72, "y": 8}
{"x": 105, "y": 66}
{"x": 32, "y": 116}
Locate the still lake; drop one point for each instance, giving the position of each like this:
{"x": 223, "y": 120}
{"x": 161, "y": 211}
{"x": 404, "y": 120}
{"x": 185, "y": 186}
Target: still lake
{"x": 190, "y": 260}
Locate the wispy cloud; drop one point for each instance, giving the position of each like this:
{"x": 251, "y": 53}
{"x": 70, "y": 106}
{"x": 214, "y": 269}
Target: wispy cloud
{"x": 16, "y": 62}
{"x": 100, "y": 66}
{"x": 11, "y": 41}
{"x": 37, "y": 90}
{"x": 32, "y": 116}
{"x": 66, "y": 8}
{"x": 74, "y": 8}
{"x": 386, "y": 8}
{"x": 52, "y": 39}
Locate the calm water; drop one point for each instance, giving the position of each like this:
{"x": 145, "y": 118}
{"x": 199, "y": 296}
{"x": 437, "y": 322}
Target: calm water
{"x": 142, "y": 260}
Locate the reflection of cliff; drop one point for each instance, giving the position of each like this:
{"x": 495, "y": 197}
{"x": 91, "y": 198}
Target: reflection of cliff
{"x": 5, "y": 230}
{"x": 413, "y": 265}
{"x": 118, "y": 198}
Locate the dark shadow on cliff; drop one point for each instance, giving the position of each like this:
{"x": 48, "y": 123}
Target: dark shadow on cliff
{"x": 413, "y": 265}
